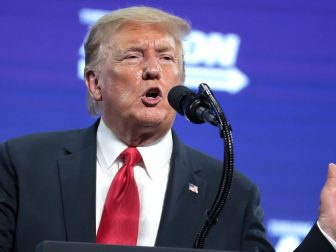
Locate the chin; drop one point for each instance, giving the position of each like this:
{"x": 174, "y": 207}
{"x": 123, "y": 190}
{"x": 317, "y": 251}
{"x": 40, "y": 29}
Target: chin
{"x": 152, "y": 122}
{"x": 154, "y": 118}
{"x": 149, "y": 123}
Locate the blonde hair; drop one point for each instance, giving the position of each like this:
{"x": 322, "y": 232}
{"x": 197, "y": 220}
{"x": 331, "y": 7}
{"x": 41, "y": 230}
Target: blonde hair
{"x": 109, "y": 23}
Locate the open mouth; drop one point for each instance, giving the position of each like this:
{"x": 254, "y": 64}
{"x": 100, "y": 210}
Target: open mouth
{"x": 152, "y": 97}
{"x": 153, "y": 93}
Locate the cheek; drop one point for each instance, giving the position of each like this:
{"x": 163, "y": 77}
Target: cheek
{"x": 118, "y": 94}
{"x": 124, "y": 96}
{"x": 175, "y": 75}
{"x": 118, "y": 85}
{"x": 138, "y": 75}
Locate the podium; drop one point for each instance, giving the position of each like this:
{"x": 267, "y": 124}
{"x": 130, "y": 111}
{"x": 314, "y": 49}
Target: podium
{"x": 54, "y": 246}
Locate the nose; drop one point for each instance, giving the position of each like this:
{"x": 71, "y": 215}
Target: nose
{"x": 151, "y": 69}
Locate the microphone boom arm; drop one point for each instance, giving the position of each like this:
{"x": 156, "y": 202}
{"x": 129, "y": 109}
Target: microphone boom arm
{"x": 225, "y": 129}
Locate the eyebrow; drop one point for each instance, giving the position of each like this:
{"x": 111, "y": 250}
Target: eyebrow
{"x": 164, "y": 48}
{"x": 134, "y": 49}
{"x": 139, "y": 47}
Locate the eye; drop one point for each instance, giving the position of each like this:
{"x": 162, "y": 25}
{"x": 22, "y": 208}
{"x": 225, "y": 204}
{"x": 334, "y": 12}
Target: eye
{"x": 166, "y": 57}
{"x": 132, "y": 57}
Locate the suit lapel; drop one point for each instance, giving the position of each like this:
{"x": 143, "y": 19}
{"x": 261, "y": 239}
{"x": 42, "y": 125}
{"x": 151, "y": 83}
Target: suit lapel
{"x": 180, "y": 220}
{"x": 77, "y": 175}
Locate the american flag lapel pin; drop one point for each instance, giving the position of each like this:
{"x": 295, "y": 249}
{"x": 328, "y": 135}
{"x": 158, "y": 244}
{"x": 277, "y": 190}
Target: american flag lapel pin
{"x": 193, "y": 188}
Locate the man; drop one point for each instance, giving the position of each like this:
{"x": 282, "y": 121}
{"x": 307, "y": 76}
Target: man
{"x": 55, "y": 186}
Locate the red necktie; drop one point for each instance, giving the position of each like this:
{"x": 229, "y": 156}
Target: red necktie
{"x": 120, "y": 219}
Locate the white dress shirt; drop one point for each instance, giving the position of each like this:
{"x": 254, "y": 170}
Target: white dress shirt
{"x": 151, "y": 177}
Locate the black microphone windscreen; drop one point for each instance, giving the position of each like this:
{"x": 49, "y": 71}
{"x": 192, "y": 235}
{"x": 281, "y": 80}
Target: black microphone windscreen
{"x": 176, "y": 94}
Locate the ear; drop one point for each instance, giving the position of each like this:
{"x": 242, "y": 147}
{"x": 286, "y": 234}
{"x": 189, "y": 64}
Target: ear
{"x": 92, "y": 85}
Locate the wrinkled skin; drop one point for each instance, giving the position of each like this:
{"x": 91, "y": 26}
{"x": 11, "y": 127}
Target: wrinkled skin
{"x": 139, "y": 64}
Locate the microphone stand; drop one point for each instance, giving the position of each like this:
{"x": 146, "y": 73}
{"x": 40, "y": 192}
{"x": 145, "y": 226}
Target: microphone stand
{"x": 224, "y": 189}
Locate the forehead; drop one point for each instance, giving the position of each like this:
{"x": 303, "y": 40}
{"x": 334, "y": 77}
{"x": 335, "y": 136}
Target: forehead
{"x": 143, "y": 35}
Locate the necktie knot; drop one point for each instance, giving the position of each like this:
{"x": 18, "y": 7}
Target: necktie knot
{"x": 131, "y": 156}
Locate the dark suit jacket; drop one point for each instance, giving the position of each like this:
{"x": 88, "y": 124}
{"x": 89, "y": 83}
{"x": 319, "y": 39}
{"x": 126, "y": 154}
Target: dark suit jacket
{"x": 47, "y": 192}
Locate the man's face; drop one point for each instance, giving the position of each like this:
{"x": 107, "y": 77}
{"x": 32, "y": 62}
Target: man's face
{"x": 138, "y": 67}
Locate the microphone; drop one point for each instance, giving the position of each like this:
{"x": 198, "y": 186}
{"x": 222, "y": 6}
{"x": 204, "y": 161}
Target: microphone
{"x": 190, "y": 105}
{"x": 199, "y": 108}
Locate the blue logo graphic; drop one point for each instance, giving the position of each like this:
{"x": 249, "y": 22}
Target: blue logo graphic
{"x": 209, "y": 57}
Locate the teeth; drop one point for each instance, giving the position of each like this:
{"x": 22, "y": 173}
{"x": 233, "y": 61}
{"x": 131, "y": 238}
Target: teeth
{"x": 152, "y": 95}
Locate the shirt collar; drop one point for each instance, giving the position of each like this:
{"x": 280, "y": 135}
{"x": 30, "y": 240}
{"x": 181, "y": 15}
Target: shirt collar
{"x": 109, "y": 146}
{"x": 155, "y": 156}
